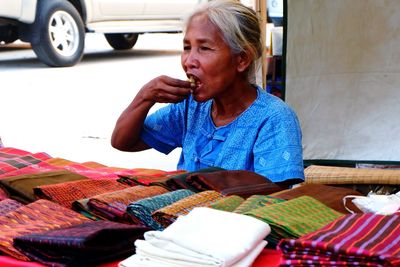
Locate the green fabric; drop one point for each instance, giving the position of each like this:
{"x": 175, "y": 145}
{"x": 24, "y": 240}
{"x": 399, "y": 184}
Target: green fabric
{"x": 229, "y": 203}
{"x": 257, "y": 201}
{"x": 294, "y": 218}
{"x": 20, "y": 187}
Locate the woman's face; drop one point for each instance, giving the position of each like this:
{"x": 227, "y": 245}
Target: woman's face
{"x": 208, "y": 59}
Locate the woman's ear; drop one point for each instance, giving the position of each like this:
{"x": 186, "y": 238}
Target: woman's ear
{"x": 244, "y": 61}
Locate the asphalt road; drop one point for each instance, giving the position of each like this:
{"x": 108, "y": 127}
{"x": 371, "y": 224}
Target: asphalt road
{"x": 71, "y": 112}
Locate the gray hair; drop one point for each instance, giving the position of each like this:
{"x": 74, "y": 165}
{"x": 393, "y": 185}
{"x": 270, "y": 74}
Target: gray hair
{"x": 238, "y": 23}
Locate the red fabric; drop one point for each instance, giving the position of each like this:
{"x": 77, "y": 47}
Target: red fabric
{"x": 267, "y": 258}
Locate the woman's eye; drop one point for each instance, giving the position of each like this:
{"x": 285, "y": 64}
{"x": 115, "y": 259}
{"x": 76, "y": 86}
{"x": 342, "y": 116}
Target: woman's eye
{"x": 186, "y": 47}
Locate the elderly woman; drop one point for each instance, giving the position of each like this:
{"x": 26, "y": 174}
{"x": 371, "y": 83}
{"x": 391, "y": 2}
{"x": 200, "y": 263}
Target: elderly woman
{"x": 218, "y": 117}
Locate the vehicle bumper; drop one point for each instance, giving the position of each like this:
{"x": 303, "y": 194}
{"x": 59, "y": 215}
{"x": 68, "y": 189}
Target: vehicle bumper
{"x": 21, "y": 10}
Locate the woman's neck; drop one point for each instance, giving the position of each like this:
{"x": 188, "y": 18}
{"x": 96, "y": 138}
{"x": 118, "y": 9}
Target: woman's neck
{"x": 227, "y": 108}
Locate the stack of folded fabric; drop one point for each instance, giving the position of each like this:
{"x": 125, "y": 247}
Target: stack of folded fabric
{"x": 294, "y": 218}
{"x": 228, "y": 203}
{"x": 85, "y": 244}
{"x": 352, "y": 240}
{"x": 142, "y": 209}
{"x": 112, "y": 206}
{"x": 203, "y": 237}
{"x": 168, "y": 214}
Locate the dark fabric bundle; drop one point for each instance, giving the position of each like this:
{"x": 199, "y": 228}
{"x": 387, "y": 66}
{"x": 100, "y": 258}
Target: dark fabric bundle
{"x": 241, "y": 183}
{"x": 179, "y": 181}
{"x": 86, "y": 244}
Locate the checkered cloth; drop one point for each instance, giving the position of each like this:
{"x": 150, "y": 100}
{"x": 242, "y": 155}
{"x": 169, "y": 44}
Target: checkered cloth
{"x": 12, "y": 159}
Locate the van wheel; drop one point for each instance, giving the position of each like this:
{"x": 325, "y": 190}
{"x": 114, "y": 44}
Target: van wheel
{"x": 121, "y": 41}
{"x": 59, "y": 34}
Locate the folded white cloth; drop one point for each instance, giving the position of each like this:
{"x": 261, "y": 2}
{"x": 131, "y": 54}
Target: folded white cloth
{"x": 203, "y": 237}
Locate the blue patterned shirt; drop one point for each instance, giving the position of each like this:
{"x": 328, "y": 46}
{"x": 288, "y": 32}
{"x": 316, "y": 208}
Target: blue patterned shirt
{"x": 265, "y": 138}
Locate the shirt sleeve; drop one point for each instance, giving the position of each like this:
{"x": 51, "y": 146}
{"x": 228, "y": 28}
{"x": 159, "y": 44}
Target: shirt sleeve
{"x": 278, "y": 149}
{"x": 163, "y": 130}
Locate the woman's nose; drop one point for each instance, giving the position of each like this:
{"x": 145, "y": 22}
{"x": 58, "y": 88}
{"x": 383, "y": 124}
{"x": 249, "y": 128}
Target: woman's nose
{"x": 190, "y": 59}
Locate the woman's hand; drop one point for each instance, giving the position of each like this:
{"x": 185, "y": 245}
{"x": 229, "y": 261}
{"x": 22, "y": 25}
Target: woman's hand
{"x": 164, "y": 89}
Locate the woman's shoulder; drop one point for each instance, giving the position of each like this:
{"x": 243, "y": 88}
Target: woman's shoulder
{"x": 271, "y": 105}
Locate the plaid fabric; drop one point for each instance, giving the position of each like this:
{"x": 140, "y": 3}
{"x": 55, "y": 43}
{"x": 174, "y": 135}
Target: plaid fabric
{"x": 256, "y": 201}
{"x": 142, "y": 209}
{"x": 168, "y": 214}
{"x": 39, "y": 216}
{"x": 12, "y": 159}
{"x": 113, "y": 205}
{"x": 294, "y": 218}
{"x": 21, "y": 187}
{"x": 66, "y": 193}
{"x": 86, "y": 244}
{"x": 316, "y": 174}
{"x": 8, "y": 205}
{"x": 351, "y": 240}
{"x": 229, "y": 203}
{"x": 155, "y": 179}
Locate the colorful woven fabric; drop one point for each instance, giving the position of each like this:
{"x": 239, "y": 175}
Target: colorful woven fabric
{"x": 316, "y": 174}
{"x": 257, "y": 201}
{"x": 82, "y": 207}
{"x": 351, "y": 240}
{"x": 168, "y": 214}
{"x": 294, "y": 218}
{"x": 142, "y": 209}
{"x": 113, "y": 205}
{"x": 8, "y": 205}
{"x": 12, "y": 159}
{"x": 21, "y": 187}
{"x": 229, "y": 203}
{"x": 331, "y": 196}
{"x": 39, "y": 216}
{"x": 66, "y": 193}
{"x": 85, "y": 244}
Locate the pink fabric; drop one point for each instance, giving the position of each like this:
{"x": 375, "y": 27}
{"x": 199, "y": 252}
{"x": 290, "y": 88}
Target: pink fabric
{"x": 267, "y": 258}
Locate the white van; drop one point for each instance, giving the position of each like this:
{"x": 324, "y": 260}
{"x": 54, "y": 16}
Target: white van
{"x": 56, "y": 28}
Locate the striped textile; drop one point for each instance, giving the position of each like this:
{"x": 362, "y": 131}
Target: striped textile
{"x": 294, "y": 218}
{"x": 168, "y": 214}
{"x": 81, "y": 206}
{"x": 12, "y": 159}
{"x": 20, "y": 187}
{"x": 316, "y": 174}
{"x": 256, "y": 201}
{"x": 8, "y": 205}
{"x": 39, "y": 216}
{"x": 352, "y": 240}
{"x": 228, "y": 203}
{"x": 112, "y": 205}
{"x": 142, "y": 209}
{"x": 66, "y": 193}
{"x": 87, "y": 244}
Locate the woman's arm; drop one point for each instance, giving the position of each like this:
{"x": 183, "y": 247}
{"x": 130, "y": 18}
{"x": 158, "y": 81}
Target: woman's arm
{"x": 163, "y": 89}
